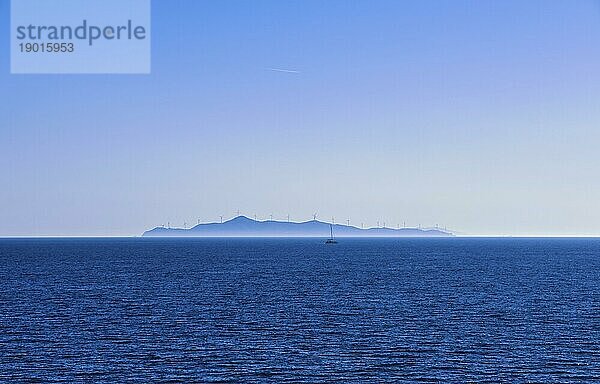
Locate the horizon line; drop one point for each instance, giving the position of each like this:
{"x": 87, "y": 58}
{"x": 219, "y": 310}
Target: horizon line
{"x": 300, "y": 237}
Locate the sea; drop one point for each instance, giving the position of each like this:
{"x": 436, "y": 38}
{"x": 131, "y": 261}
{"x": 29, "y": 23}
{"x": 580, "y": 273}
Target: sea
{"x": 420, "y": 310}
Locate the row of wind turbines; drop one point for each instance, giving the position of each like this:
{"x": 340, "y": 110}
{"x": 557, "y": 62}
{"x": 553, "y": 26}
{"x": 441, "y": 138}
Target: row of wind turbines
{"x": 314, "y": 217}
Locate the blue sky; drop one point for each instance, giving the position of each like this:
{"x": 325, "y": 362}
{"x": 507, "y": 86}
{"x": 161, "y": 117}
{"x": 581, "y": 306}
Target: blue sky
{"x": 481, "y": 116}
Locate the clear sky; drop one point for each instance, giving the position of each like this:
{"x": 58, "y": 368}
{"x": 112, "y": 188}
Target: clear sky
{"x": 483, "y": 116}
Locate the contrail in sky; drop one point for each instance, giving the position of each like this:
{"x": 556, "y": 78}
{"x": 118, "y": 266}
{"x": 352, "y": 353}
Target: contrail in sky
{"x": 283, "y": 70}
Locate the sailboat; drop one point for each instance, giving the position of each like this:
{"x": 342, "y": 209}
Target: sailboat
{"x": 331, "y": 239}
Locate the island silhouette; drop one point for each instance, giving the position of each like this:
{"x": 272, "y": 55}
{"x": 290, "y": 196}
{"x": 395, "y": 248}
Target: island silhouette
{"x": 242, "y": 226}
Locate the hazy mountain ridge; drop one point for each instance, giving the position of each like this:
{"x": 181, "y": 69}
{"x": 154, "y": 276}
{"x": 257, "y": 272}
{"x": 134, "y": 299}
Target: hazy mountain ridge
{"x": 242, "y": 226}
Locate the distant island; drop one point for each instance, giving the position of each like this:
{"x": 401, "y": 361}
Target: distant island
{"x": 243, "y": 226}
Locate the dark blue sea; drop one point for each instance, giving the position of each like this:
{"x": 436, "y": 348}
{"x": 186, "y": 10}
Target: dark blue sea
{"x": 397, "y": 310}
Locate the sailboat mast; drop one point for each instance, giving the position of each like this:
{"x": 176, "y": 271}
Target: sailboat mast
{"x": 331, "y": 230}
